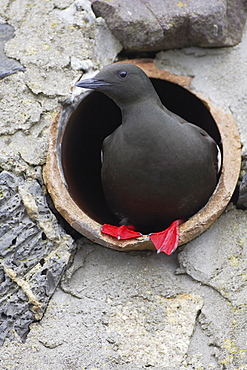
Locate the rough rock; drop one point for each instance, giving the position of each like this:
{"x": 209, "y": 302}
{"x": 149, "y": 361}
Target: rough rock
{"x": 151, "y": 25}
{"x": 34, "y": 251}
{"x": 7, "y": 66}
{"x": 242, "y": 194}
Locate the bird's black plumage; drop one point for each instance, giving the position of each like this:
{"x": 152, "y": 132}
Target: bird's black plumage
{"x": 156, "y": 166}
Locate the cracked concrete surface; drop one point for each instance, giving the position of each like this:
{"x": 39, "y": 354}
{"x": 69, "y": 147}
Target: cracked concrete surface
{"x": 116, "y": 310}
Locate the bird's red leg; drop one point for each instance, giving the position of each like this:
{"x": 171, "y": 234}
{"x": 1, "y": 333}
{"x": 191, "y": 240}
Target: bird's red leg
{"x": 167, "y": 240}
{"x": 120, "y": 232}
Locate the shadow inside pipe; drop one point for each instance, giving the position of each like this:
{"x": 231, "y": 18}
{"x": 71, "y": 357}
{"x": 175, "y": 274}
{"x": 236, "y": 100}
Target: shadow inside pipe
{"x": 96, "y": 117}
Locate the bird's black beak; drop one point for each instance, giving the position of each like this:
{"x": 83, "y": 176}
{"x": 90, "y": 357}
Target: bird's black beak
{"x": 91, "y": 83}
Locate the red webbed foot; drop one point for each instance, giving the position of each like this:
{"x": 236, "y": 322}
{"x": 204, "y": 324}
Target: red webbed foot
{"x": 120, "y": 232}
{"x": 167, "y": 240}
{"x": 164, "y": 241}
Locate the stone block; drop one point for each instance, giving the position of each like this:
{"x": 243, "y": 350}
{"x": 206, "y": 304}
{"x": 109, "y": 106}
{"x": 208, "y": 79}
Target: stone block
{"x": 151, "y": 25}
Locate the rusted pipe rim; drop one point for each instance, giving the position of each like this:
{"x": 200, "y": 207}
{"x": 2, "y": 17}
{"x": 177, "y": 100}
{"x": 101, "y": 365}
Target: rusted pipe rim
{"x": 197, "y": 224}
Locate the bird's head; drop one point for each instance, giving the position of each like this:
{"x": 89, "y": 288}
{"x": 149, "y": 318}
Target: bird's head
{"x": 123, "y": 82}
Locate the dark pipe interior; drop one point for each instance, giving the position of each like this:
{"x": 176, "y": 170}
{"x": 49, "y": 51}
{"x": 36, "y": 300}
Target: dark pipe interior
{"x": 96, "y": 117}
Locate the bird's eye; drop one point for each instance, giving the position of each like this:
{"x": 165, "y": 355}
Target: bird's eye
{"x": 122, "y": 74}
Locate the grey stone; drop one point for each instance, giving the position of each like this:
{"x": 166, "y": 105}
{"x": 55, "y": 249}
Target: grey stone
{"x": 132, "y": 23}
{"x": 34, "y": 251}
{"x": 151, "y": 25}
{"x": 242, "y": 196}
{"x": 7, "y": 66}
